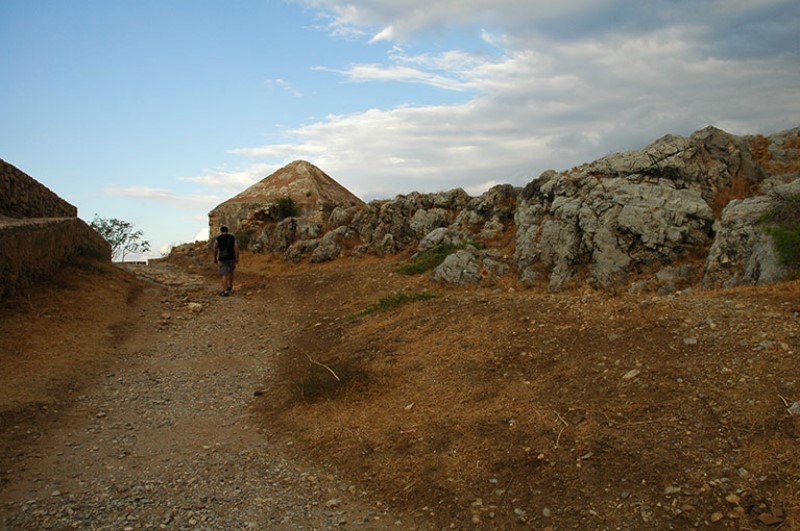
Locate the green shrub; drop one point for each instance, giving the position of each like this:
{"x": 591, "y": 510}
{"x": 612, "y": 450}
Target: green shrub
{"x": 430, "y": 259}
{"x": 393, "y": 301}
{"x": 786, "y": 241}
{"x": 782, "y": 223}
{"x": 287, "y": 208}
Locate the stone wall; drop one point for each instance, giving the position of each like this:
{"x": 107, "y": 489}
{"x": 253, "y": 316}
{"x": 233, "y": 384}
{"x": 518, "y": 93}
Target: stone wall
{"x": 21, "y": 196}
{"x": 39, "y": 232}
{"x": 33, "y": 249}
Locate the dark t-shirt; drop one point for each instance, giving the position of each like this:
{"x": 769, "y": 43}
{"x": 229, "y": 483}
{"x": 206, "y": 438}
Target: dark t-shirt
{"x": 226, "y": 245}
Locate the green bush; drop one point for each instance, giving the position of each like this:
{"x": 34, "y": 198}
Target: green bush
{"x": 393, "y": 301}
{"x": 287, "y": 208}
{"x": 782, "y": 223}
{"x": 786, "y": 241}
{"x": 430, "y": 259}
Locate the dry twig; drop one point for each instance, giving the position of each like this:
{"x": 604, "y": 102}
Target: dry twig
{"x": 558, "y": 439}
{"x": 325, "y": 366}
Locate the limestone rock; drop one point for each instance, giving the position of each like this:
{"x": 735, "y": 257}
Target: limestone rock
{"x": 461, "y": 267}
{"x": 328, "y": 249}
{"x": 636, "y": 211}
{"x": 743, "y": 252}
{"x": 442, "y": 236}
{"x": 424, "y": 221}
{"x": 299, "y": 249}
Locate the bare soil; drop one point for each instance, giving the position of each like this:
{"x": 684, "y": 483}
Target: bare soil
{"x": 492, "y": 407}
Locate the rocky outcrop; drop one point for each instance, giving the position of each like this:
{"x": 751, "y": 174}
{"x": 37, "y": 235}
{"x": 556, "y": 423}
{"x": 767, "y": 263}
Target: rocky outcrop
{"x": 631, "y": 214}
{"x": 743, "y": 251}
{"x": 680, "y": 211}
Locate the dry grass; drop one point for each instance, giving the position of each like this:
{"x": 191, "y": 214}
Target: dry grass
{"x": 489, "y": 406}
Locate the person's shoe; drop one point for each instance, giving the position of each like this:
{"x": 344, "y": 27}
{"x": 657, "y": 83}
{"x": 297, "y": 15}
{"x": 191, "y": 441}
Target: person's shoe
{"x": 224, "y": 293}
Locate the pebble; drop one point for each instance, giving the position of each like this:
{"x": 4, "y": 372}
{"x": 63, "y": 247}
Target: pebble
{"x": 631, "y": 374}
{"x": 733, "y": 499}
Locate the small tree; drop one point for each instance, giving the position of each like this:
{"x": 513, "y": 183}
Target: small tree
{"x": 121, "y": 236}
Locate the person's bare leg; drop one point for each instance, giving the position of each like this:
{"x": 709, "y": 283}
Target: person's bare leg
{"x": 230, "y": 282}
{"x": 224, "y": 282}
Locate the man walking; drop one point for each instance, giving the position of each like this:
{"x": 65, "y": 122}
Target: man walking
{"x": 226, "y": 254}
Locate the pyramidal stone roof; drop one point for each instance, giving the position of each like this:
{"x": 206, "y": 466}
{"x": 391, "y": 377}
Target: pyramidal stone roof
{"x": 303, "y": 182}
{"x": 311, "y": 189}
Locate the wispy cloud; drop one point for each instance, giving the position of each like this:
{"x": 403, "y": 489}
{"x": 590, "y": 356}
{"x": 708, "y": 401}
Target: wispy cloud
{"x": 169, "y": 197}
{"x": 374, "y": 72}
{"x": 282, "y": 84}
{"x": 232, "y": 181}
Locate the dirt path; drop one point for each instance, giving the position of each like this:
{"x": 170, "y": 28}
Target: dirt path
{"x": 165, "y": 435}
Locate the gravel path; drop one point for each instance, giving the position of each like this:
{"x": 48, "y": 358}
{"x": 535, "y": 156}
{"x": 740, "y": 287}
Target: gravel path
{"x": 167, "y": 438}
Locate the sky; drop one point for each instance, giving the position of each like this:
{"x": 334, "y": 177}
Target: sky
{"x": 156, "y": 111}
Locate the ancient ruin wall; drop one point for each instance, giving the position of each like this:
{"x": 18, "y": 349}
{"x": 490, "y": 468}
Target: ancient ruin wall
{"x": 21, "y": 196}
{"x": 39, "y": 231}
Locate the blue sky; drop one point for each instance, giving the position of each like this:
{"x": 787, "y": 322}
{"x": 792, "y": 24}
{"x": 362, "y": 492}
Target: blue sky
{"x": 155, "y": 111}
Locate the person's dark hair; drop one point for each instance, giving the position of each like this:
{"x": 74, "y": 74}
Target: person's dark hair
{"x": 223, "y": 229}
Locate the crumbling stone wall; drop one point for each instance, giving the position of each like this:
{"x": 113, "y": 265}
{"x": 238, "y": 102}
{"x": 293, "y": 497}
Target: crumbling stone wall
{"x": 39, "y": 231}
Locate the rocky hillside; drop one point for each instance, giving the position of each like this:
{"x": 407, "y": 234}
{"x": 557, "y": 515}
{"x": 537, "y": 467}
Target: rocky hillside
{"x": 681, "y": 211}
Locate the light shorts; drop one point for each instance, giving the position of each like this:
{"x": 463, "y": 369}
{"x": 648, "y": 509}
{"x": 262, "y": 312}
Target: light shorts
{"x": 226, "y": 267}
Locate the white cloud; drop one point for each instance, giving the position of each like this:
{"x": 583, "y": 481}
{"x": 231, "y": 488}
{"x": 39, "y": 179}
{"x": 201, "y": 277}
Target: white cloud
{"x": 232, "y": 182}
{"x": 285, "y": 86}
{"x": 169, "y": 197}
{"x": 539, "y": 102}
{"x": 373, "y": 72}
{"x": 563, "y": 82}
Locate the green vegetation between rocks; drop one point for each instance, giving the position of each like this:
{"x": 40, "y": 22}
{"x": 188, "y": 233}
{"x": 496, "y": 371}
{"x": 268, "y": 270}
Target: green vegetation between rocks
{"x": 430, "y": 259}
{"x": 393, "y": 301}
{"x": 287, "y": 208}
{"x": 782, "y": 222}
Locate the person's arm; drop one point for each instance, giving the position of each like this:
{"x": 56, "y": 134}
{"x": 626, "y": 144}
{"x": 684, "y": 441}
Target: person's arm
{"x": 236, "y": 250}
{"x": 216, "y": 252}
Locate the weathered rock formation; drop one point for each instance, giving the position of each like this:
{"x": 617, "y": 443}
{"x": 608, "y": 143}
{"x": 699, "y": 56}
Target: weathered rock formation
{"x": 635, "y": 217}
{"x": 680, "y": 211}
{"x": 39, "y": 231}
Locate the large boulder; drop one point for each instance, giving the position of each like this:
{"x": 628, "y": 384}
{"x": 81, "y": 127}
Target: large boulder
{"x": 743, "y": 251}
{"x": 461, "y": 267}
